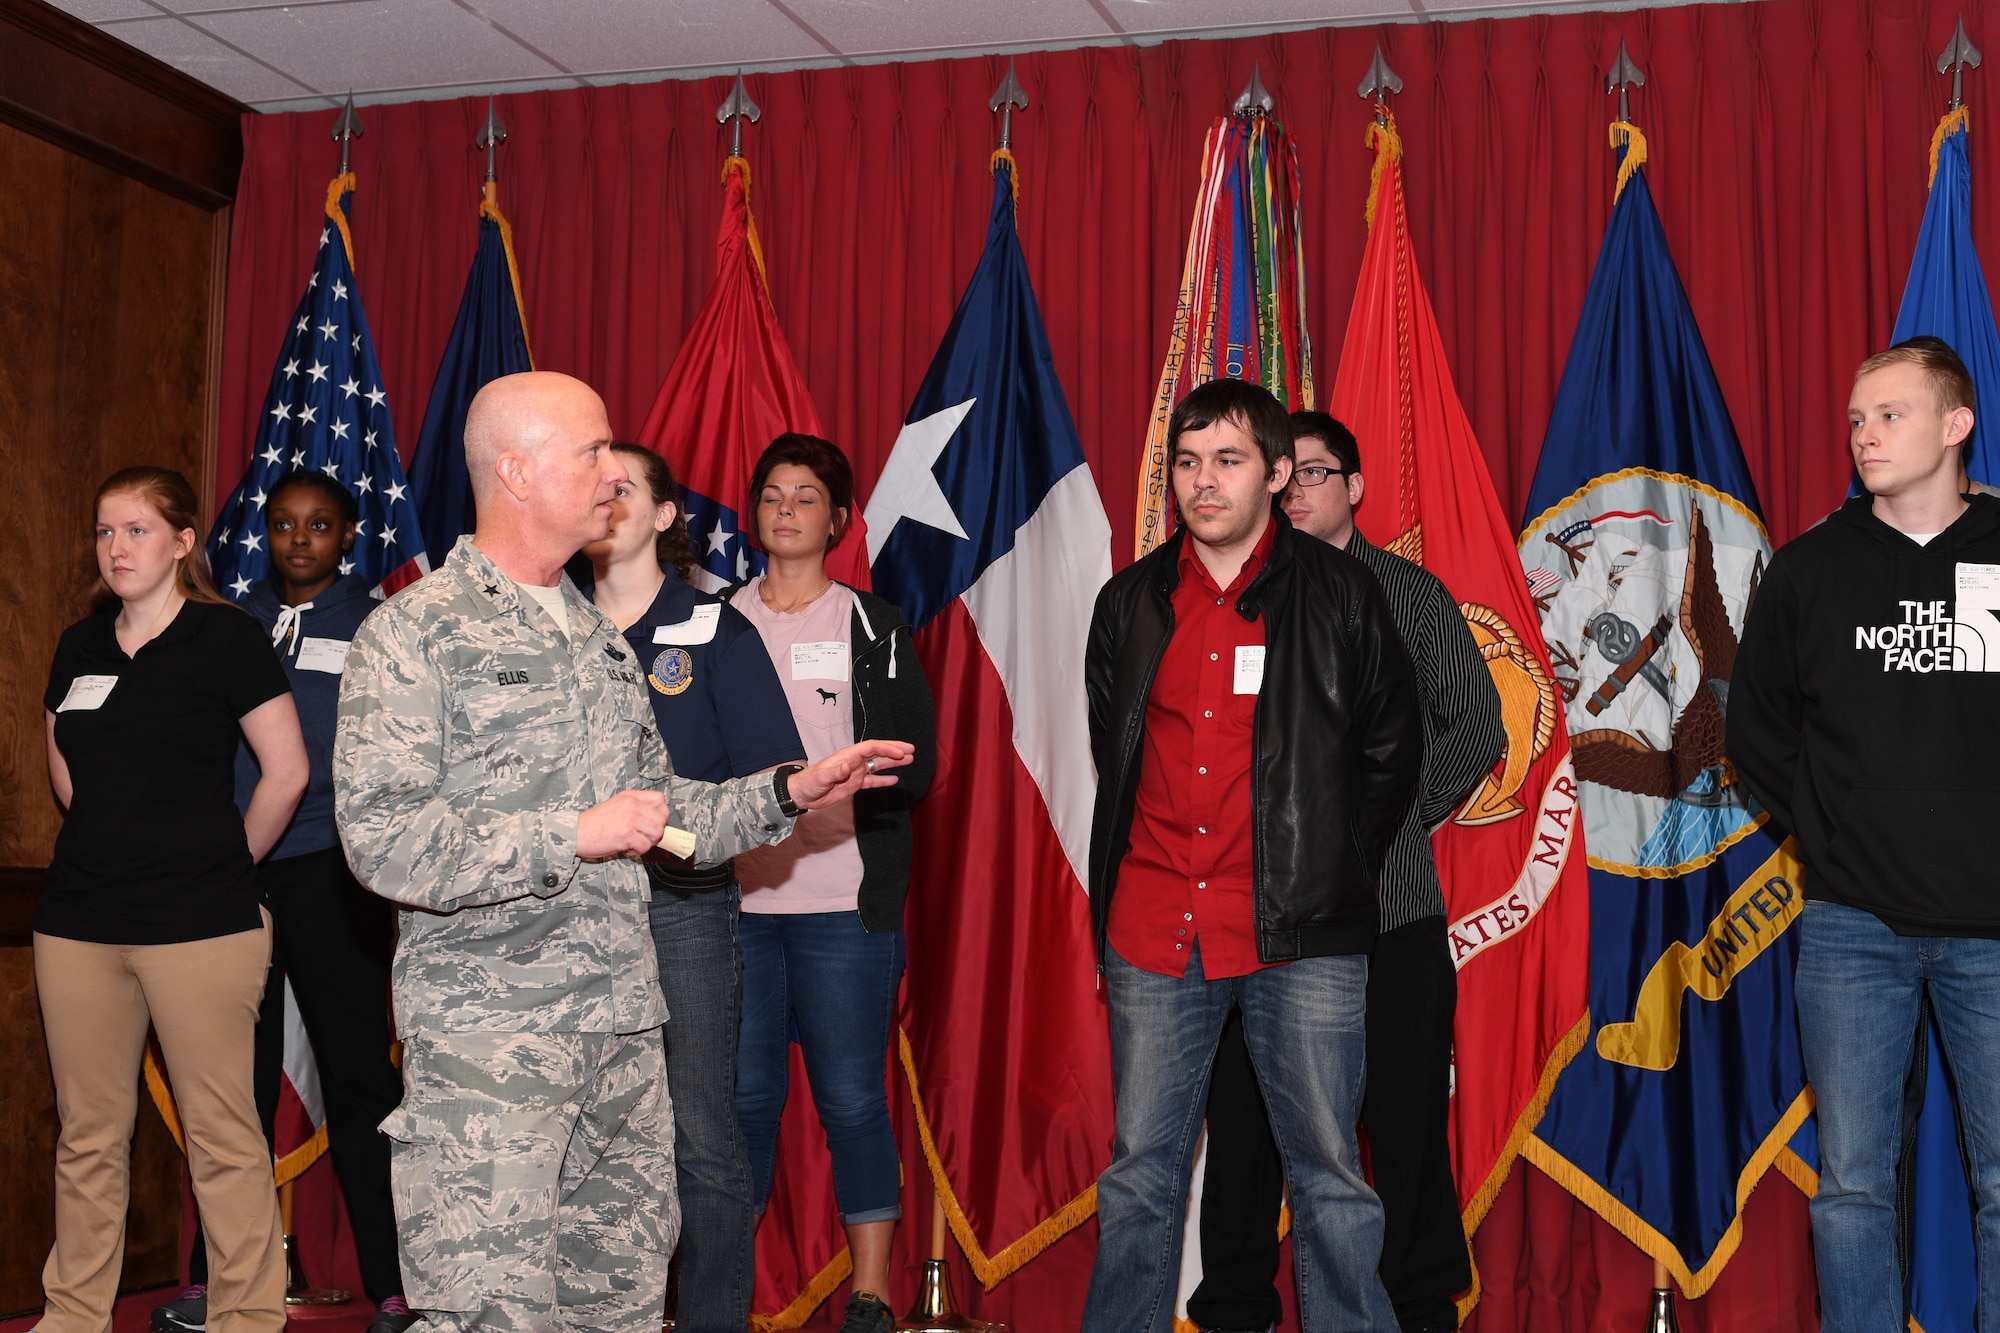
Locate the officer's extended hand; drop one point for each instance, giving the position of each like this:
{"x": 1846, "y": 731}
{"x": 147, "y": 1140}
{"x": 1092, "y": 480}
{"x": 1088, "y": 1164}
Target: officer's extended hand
{"x": 847, "y": 771}
{"x": 630, "y": 822}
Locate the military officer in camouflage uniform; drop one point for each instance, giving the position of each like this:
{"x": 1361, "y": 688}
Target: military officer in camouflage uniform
{"x": 497, "y": 774}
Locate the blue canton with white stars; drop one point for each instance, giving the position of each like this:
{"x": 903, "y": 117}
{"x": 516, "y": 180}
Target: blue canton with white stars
{"x": 326, "y": 412}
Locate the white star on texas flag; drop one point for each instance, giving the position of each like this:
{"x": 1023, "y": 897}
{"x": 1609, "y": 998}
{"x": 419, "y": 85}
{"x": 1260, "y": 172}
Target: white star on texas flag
{"x": 908, "y": 488}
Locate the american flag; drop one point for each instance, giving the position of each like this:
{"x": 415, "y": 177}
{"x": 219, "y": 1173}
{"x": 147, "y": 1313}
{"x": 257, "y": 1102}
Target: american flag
{"x": 326, "y": 411}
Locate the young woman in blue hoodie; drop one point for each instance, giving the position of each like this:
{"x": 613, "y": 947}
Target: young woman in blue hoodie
{"x": 332, "y": 938}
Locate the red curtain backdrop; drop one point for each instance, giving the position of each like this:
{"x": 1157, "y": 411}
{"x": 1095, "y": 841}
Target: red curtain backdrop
{"x": 1788, "y": 156}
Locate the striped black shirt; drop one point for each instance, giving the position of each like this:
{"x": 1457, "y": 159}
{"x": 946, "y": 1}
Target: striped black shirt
{"x": 1462, "y": 730}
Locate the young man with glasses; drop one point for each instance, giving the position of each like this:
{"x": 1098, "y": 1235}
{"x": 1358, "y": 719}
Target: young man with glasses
{"x": 1412, "y": 987}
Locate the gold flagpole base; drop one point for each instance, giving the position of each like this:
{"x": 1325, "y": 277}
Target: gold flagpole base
{"x": 934, "y": 1311}
{"x": 1660, "y": 1319}
{"x": 297, "y": 1292}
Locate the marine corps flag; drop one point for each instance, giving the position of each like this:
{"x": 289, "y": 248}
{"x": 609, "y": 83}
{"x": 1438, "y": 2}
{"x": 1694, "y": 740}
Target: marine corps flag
{"x": 1643, "y": 548}
{"x": 732, "y": 389}
{"x": 1511, "y": 858}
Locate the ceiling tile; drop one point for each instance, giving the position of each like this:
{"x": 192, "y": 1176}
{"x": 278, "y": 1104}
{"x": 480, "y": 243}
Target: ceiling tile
{"x": 1152, "y": 16}
{"x": 610, "y": 36}
{"x": 377, "y": 45}
{"x": 97, "y": 11}
{"x": 197, "y": 8}
{"x": 200, "y": 56}
{"x": 867, "y": 27}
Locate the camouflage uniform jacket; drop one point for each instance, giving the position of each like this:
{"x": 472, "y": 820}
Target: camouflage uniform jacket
{"x": 470, "y": 737}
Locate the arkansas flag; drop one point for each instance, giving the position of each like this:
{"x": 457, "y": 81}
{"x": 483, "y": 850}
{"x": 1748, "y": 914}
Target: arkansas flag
{"x": 731, "y": 390}
{"x": 986, "y": 528}
{"x": 1511, "y": 860}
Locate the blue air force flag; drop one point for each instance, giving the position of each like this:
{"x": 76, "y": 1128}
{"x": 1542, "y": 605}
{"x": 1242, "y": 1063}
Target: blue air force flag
{"x": 1946, "y": 295}
{"x": 488, "y": 339}
{"x": 326, "y": 411}
{"x": 1643, "y": 550}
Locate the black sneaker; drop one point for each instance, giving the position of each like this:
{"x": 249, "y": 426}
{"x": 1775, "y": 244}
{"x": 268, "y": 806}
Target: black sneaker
{"x": 394, "y": 1317}
{"x": 186, "y": 1313}
{"x": 867, "y": 1314}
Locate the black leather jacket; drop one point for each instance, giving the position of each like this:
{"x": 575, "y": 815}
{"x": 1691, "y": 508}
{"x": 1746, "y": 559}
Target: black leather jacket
{"x": 1335, "y": 750}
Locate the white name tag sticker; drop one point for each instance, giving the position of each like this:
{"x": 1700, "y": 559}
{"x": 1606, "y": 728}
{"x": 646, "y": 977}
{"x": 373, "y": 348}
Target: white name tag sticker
{"x": 826, "y": 660}
{"x": 697, "y": 628}
{"x": 1249, "y": 668}
{"x": 328, "y": 655}
{"x": 1979, "y": 586}
{"x": 87, "y": 693}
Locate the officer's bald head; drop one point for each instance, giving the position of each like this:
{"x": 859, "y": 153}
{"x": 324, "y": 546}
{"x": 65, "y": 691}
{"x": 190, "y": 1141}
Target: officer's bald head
{"x": 520, "y": 414}
{"x": 537, "y": 448}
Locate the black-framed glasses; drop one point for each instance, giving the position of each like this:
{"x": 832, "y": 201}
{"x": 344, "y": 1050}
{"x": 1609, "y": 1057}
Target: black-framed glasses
{"x": 1312, "y": 474}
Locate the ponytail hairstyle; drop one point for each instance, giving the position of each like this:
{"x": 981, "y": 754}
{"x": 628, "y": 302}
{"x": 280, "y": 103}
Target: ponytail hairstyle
{"x": 170, "y": 496}
{"x": 672, "y": 546}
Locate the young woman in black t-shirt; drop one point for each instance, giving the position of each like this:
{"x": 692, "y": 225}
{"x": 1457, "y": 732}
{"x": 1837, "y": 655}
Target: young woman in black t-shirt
{"x": 150, "y": 913}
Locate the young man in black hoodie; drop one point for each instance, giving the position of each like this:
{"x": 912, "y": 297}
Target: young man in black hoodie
{"x": 1865, "y": 716}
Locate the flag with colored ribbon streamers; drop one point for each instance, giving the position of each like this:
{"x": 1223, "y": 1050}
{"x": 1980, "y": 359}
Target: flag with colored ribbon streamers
{"x": 488, "y": 339}
{"x": 987, "y": 530}
{"x": 326, "y": 411}
{"x": 731, "y": 390}
{"x": 1511, "y": 859}
{"x": 1645, "y": 547}
{"x": 1241, "y": 312}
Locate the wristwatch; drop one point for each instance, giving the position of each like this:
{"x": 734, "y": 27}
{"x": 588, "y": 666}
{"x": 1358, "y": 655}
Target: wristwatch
{"x": 781, "y": 785}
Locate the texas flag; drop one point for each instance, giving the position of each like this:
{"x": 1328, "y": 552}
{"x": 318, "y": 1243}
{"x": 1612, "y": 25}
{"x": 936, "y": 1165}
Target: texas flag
{"x": 986, "y": 528}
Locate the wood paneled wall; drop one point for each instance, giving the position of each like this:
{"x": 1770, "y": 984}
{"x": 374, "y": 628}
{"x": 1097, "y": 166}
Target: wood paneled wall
{"x": 106, "y": 293}
{"x": 115, "y": 178}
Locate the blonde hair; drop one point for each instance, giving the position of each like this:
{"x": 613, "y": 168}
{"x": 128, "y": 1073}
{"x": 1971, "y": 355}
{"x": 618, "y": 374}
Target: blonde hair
{"x": 170, "y": 496}
{"x": 1950, "y": 381}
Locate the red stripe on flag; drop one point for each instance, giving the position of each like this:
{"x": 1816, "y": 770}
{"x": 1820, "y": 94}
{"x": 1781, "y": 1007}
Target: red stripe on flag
{"x": 1009, "y": 1035}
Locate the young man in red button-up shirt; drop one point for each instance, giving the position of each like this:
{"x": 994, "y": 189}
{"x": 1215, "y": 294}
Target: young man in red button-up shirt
{"x": 1257, "y": 736}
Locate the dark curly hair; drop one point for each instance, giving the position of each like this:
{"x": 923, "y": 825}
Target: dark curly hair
{"x": 672, "y": 547}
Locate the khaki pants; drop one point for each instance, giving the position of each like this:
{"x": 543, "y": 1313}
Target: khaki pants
{"x": 201, "y": 997}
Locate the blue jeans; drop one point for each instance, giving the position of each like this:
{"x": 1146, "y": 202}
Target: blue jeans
{"x": 701, "y": 973}
{"x": 1303, "y": 1023}
{"x": 837, "y": 982}
{"x": 1859, "y": 988}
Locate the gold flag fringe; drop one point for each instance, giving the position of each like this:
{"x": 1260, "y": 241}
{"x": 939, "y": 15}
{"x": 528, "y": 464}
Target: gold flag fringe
{"x": 335, "y": 188}
{"x": 989, "y": 1269}
{"x": 489, "y": 207}
{"x": 1692, "y": 1283}
{"x": 1626, "y": 135}
{"x": 1954, "y": 120}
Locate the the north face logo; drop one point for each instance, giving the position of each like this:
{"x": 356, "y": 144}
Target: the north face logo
{"x": 1936, "y": 636}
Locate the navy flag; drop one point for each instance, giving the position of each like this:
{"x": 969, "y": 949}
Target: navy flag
{"x": 1643, "y": 550}
{"x": 326, "y": 411}
{"x": 488, "y": 339}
